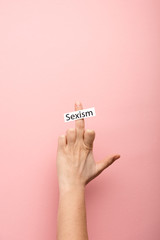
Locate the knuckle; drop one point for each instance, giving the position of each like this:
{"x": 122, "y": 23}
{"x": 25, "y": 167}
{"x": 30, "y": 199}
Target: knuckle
{"x": 91, "y": 132}
{"x": 61, "y": 136}
{"x": 87, "y": 147}
{"x": 70, "y": 130}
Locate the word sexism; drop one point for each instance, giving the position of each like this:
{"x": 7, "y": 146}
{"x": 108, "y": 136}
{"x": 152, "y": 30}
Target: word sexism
{"x": 80, "y": 114}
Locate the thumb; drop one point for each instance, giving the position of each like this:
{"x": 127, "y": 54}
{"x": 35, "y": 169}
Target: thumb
{"x": 101, "y": 165}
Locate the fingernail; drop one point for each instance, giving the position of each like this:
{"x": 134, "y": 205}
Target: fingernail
{"x": 77, "y": 103}
{"x": 116, "y": 157}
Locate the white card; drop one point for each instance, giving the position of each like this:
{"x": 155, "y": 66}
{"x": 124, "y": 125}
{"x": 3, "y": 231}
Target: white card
{"x": 80, "y": 114}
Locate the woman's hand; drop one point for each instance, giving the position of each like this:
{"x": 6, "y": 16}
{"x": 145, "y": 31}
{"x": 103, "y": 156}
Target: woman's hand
{"x": 75, "y": 161}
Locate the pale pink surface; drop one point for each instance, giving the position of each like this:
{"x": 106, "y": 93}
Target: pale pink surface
{"x": 105, "y": 54}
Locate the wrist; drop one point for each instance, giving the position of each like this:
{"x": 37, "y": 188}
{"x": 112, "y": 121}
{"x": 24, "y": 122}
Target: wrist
{"x": 79, "y": 188}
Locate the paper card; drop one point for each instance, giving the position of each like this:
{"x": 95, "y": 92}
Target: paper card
{"x": 80, "y": 114}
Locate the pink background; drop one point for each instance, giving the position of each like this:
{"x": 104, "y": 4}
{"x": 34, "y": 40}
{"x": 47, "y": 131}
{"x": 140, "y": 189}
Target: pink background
{"x": 105, "y": 54}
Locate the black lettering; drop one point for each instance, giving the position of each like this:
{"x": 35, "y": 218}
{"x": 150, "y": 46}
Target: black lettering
{"x": 89, "y": 113}
{"x": 72, "y": 116}
{"x": 77, "y": 115}
{"x": 83, "y": 114}
{"x": 67, "y": 117}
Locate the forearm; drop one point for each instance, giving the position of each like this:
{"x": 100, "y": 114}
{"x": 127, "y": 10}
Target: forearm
{"x": 76, "y": 167}
{"x": 72, "y": 223}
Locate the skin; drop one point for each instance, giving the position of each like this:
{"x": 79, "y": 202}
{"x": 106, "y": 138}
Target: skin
{"x": 76, "y": 167}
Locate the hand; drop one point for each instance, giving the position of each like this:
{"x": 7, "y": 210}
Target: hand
{"x": 75, "y": 161}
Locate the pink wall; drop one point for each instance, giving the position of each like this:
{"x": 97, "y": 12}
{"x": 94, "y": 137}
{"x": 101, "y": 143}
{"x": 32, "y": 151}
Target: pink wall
{"x": 105, "y": 54}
